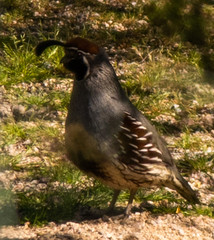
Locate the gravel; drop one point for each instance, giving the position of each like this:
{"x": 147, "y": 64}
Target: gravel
{"x": 142, "y": 226}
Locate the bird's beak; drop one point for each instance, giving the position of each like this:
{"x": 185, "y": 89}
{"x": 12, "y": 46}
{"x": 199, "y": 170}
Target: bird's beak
{"x": 65, "y": 59}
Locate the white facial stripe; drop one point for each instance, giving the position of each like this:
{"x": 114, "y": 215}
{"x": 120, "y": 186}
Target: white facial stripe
{"x": 80, "y": 51}
{"x": 72, "y": 48}
{"x": 88, "y": 67}
{"x": 84, "y": 53}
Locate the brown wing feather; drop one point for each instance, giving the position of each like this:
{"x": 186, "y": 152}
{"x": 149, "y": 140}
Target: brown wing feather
{"x": 136, "y": 147}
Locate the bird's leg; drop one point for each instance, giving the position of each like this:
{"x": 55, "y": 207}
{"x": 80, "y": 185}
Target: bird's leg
{"x": 125, "y": 215}
{"x": 114, "y": 199}
{"x": 129, "y": 206}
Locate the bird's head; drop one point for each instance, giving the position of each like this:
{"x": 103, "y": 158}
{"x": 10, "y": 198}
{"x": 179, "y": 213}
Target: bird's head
{"x": 80, "y": 55}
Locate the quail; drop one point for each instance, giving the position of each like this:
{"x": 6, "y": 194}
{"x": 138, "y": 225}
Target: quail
{"x": 106, "y": 136}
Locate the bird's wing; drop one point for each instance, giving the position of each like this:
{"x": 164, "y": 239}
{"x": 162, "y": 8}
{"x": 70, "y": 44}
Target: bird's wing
{"x": 136, "y": 147}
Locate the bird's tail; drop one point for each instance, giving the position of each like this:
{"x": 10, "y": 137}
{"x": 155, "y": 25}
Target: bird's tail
{"x": 184, "y": 189}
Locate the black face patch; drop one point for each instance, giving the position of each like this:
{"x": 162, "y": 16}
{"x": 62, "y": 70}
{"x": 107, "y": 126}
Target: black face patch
{"x": 74, "y": 62}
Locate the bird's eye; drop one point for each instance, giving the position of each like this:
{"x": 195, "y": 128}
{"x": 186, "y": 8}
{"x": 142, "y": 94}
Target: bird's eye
{"x": 79, "y": 54}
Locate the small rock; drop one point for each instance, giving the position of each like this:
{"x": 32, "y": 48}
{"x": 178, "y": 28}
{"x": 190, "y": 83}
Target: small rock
{"x": 208, "y": 120}
{"x": 14, "y": 149}
{"x": 5, "y": 111}
{"x": 26, "y": 225}
{"x": 27, "y": 142}
{"x": 177, "y": 108}
{"x": 105, "y": 218}
{"x": 29, "y": 114}
{"x": 18, "y": 112}
{"x": 131, "y": 237}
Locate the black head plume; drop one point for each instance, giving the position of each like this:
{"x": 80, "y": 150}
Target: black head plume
{"x": 40, "y": 48}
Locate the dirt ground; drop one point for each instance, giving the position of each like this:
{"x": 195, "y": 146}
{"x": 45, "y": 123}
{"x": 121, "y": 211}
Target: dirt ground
{"x": 142, "y": 226}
